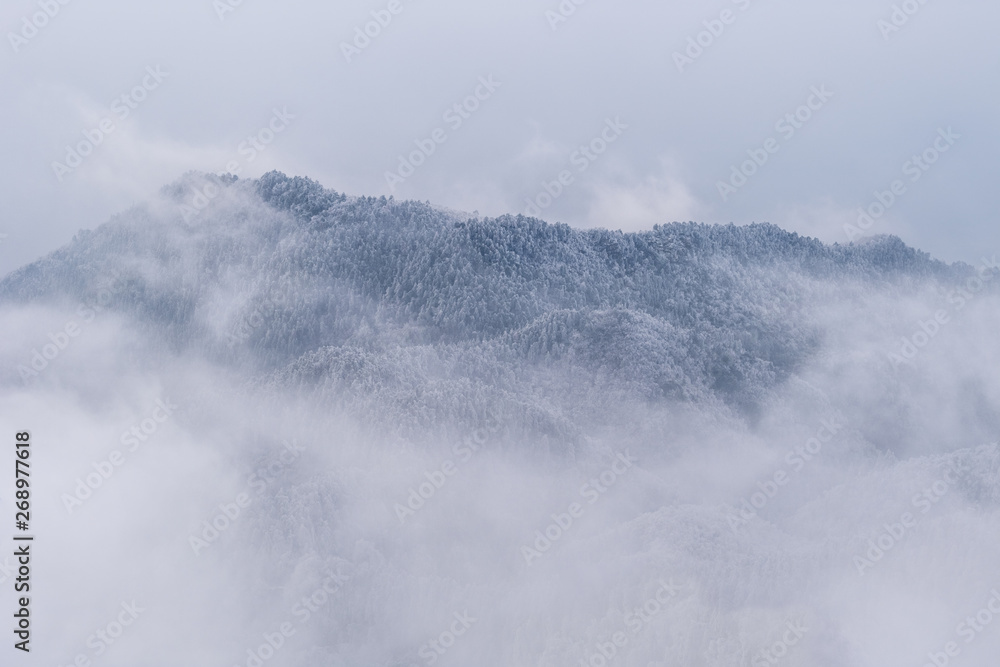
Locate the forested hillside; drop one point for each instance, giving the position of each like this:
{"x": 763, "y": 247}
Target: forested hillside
{"x": 303, "y": 284}
{"x": 502, "y": 419}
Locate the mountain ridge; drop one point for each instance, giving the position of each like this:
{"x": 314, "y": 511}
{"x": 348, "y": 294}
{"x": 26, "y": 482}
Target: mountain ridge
{"x": 277, "y": 274}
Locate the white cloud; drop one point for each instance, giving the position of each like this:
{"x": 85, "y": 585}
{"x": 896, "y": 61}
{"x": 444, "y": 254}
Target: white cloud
{"x": 655, "y": 199}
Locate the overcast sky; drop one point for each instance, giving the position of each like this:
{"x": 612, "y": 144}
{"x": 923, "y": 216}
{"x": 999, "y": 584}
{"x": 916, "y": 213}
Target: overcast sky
{"x": 665, "y": 119}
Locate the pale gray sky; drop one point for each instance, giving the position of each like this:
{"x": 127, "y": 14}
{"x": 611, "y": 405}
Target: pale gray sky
{"x": 672, "y": 129}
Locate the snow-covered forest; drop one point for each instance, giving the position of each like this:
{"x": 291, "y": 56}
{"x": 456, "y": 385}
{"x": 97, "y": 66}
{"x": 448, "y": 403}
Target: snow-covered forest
{"x": 504, "y": 441}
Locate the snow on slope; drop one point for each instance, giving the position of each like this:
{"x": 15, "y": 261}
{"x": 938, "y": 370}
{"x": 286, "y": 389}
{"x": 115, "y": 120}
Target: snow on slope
{"x": 502, "y": 441}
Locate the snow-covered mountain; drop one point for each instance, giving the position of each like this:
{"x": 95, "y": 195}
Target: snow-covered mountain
{"x": 501, "y": 441}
